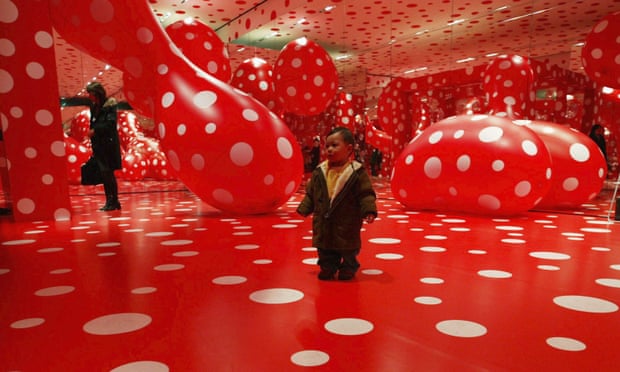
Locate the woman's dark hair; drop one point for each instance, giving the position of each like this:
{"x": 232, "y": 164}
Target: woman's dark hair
{"x": 346, "y": 134}
{"x": 98, "y": 91}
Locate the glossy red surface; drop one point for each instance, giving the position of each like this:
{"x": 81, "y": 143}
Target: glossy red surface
{"x": 169, "y": 283}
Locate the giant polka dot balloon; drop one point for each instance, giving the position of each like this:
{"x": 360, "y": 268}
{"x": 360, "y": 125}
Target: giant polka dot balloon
{"x": 305, "y": 77}
{"x": 225, "y": 146}
{"x": 77, "y": 154}
{"x": 255, "y": 77}
{"x": 578, "y": 166}
{"x": 600, "y": 55}
{"x": 508, "y": 84}
{"x": 201, "y": 45}
{"x": 474, "y": 164}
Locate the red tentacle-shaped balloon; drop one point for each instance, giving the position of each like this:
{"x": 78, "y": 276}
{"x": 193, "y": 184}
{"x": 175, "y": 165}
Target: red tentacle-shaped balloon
{"x": 226, "y": 147}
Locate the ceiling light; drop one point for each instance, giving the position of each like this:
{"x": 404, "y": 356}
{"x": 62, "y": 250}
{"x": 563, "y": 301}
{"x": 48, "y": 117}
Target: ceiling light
{"x": 468, "y": 59}
{"x": 491, "y": 55}
{"x": 329, "y": 8}
{"x": 607, "y": 90}
{"x": 455, "y": 22}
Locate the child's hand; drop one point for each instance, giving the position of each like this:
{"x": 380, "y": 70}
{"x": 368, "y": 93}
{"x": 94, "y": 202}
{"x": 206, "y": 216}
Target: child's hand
{"x": 370, "y": 218}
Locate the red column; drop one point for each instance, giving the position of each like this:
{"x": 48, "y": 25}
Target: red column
{"x": 30, "y": 113}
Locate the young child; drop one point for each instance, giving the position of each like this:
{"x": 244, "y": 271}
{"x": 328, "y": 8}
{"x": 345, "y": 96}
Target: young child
{"x": 340, "y": 196}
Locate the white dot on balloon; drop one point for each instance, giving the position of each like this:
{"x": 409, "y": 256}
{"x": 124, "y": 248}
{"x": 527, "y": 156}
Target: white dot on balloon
{"x": 459, "y": 134}
{"x": 490, "y": 134}
{"x": 523, "y": 189}
{"x": 432, "y": 167}
{"x": 25, "y": 206}
{"x": 409, "y": 159}
{"x": 210, "y": 128}
{"x": 296, "y": 62}
{"x": 291, "y": 91}
{"x": 223, "y": 196}
{"x": 30, "y": 152}
{"x": 579, "y": 152}
{"x": 44, "y": 117}
{"x": 550, "y": 255}
{"x": 35, "y": 70}
{"x": 566, "y": 344}
{"x": 435, "y": 137}
{"x": 117, "y": 323}
{"x": 463, "y": 163}
{"x": 250, "y": 115}
{"x": 162, "y": 69}
{"x": 596, "y": 53}
{"x": 489, "y": 202}
{"x": 205, "y": 99}
{"x": 461, "y": 328}
{"x": 181, "y": 129}
{"x": 318, "y": 81}
{"x": 47, "y": 179}
{"x": 27, "y": 323}
{"x": 285, "y": 148}
{"x": 167, "y": 99}
{"x": 198, "y": 162}
{"x": 268, "y": 180}
{"x": 142, "y": 365}
{"x": 6, "y": 81}
{"x": 529, "y": 148}
{"x": 570, "y": 184}
{"x": 54, "y": 291}
{"x": 427, "y": 300}
{"x": 241, "y": 154}
{"x": 229, "y": 280}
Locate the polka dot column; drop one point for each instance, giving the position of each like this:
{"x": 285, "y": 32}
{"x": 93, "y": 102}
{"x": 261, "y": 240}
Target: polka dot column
{"x": 30, "y": 114}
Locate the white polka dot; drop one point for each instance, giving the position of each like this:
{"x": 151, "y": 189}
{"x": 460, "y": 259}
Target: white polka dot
{"x": 608, "y": 282}
{"x": 241, "y": 154}
{"x": 586, "y": 304}
{"x": 349, "y": 326}
{"x": 44, "y": 117}
{"x": 176, "y": 242}
{"x": 229, "y": 280}
{"x": 6, "y": 81}
{"x": 494, "y": 274}
{"x": 566, "y": 344}
{"x": 285, "y": 149}
{"x": 490, "y": 134}
{"x": 427, "y": 300}
{"x": 435, "y": 137}
{"x": 142, "y": 365}
{"x": 389, "y": 256}
{"x": 529, "y": 148}
{"x": 489, "y": 202}
{"x": 144, "y": 35}
{"x": 579, "y": 152}
{"x": 117, "y": 323}
{"x": 432, "y": 167}
{"x": 198, "y": 162}
{"x": 223, "y": 196}
{"x": 27, "y": 323}
{"x": 181, "y": 129}
{"x": 550, "y": 255}
{"x": 570, "y": 184}
{"x": 250, "y": 115}
{"x": 409, "y": 159}
{"x": 268, "y": 179}
{"x": 432, "y": 280}
{"x": 205, "y": 99}
{"x": 167, "y": 99}
{"x": 463, "y": 163}
{"x": 461, "y": 328}
{"x": 58, "y": 148}
{"x": 276, "y": 296}
{"x": 309, "y": 358}
{"x": 169, "y": 267}
{"x": 523, "y": 189}
{"x": 144, "y": 290}
{"x": 25, "y": 206}
{"x": 7, "y": 48}
{"x": 384, "y": 240}
{"x": 44, "y": 39}
{"x": 30, "y": 152}
{"x": 35, "y": 70}
{"x": 210, "y": 128}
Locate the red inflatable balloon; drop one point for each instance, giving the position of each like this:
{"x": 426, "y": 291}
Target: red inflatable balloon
{"x": 578, "y": 168}
{"x": 475, "y": 164}
{"x": 77, "y": 154}
{"x": 79, "y": 126}
{"x": 226, "y": 147}
{"x": 255, "y": 77}
{"x": 305, "y": 77}
{"x": 201, "y": 45}
{"x": 508, "y": 83}
{"x": 600, "y": 55}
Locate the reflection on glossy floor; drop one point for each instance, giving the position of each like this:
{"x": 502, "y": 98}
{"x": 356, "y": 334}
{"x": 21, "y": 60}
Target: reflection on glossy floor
{"x": 168, "y": 283}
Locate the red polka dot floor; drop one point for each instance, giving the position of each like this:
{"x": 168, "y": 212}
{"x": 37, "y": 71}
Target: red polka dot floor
{"x": 171, "y": 284}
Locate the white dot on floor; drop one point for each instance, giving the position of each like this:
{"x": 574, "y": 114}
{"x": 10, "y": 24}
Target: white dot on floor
{"x": 50, "y": 250}
{"x": 185, "y": 254}
{"x": 566, "y": 344}
{"x": 495, "y": 274}
{"x": 114, "y": 324}
{"x": 244, "y": 247}
{"x": 262, "y": 261}
{"x": 142, "y": 366}
{"x": 461, "y": 328}
{"x": 310, "y": 261}
{"x": 229, "y": 280}
{"x": 389, "y": 256}
{"x": 372, "y": 272}
{"x": 477, "y": 251}
{"x": 108, "y": 244}
{"x": 169, "y": 267}
{"x": 586, "y": 304}
{"x": 384, "y": 240}
{"x": 550, "y": 255}
{"x": 19, "y": 242}
{"x": 608, "y": 282}
{"x": 276, "y": 296}
{"x": 433, "y": 249}
{"x": 309, "y": 358}
{"x": 349, "y": 326}
{"x": 143, "y": 290}
{"x": 176, "y": 242}
{"x": 548, "y": 267}
{"x": 431, "y": 280}
{"x": 159, "y": 233}
{"x": 284, "y": 226}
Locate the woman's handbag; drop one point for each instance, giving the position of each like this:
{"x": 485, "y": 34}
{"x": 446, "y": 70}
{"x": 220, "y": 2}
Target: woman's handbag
{"x": 90, "y": 172}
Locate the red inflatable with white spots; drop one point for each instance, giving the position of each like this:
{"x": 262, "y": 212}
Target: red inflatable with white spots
{"x": 600, "y": 55}
{"x": 508, "y": 84}
{"x": 201, "y": 45}
{"x": 305, "y": 77}
{"x": 255, "y": 77}
{"x": 77, "y": 154}
{"x": 578, "y": 169}
{"x": 226, "y": 147}
{"x": 474, "y": 164}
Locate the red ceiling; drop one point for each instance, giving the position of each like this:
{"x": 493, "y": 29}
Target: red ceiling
{"x": 380, "y": 38}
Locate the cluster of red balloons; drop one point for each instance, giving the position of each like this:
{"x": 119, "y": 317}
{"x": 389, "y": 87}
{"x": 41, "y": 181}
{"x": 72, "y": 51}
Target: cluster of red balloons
{"x": 142, "y": 156}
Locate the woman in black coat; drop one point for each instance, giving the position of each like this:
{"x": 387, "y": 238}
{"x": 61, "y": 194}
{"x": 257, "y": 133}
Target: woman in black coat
{"x": 105, "y": 142}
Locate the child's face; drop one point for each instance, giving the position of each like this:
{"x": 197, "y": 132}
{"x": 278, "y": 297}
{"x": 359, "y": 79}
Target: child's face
{"x": 338, "y": 151}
